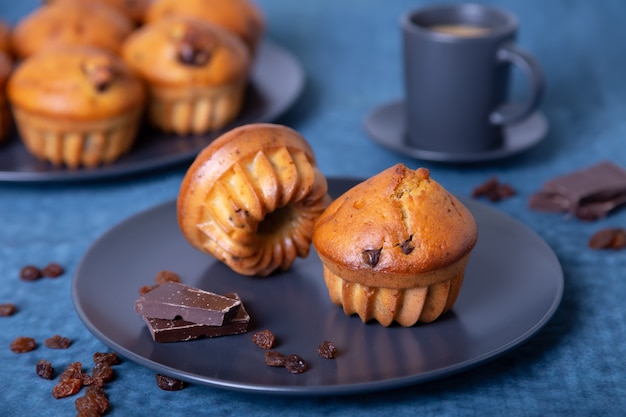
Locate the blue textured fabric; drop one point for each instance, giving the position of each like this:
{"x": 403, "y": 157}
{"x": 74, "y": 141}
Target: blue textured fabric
{"x": 350, "y": 50}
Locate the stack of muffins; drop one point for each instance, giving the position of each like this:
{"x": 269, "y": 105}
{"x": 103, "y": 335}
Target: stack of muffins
{"x": 89, "y": 70}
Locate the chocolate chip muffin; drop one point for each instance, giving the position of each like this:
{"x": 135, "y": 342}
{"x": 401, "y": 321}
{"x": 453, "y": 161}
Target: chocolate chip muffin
{"x": 395, "y": 247}
{"x": 197, "y": 73}
{"x": 76, "y": 105}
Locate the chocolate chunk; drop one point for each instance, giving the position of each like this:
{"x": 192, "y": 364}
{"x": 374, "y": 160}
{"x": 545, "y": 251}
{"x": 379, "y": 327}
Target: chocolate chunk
{"x": 174, "y": 300}
{"x": 588, "y": 194}
{"x": 178, "y": 330}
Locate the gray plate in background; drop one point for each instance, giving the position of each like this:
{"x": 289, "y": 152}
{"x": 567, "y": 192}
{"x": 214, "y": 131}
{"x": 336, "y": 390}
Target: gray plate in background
{"x": 276, "y": 82}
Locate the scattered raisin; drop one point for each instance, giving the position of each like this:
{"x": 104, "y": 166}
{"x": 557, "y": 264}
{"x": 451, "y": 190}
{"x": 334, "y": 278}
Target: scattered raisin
{"x": 7, "y": 309}
{"x": 371, "y": 256}
{"x": 52, "y": 270}
{"x": 168, "y": 383}
{"x": 610, "y": 238}
{"x": 30, "y": 273}
{"x": 44, "y": 369}
{"x": 110, "y": 358}
{"x": 327, "y": 350}
{"x": 295, "y": 364}
{"x": 70, "y": 381}
{"x": 23, "y": 344}
{"x": 146, "y": 289}
{"x": 273, "y": 358}
{"x": 264, "y": 339}
{"x": 163, "y": 277}
{"x": 94, "y": 400}
{"x": 73, "y": 371}
{"x": 493, "y": 190}
{"x": 88, "y": 412}
{"x": 102, "y": 371}
{"x": 58, "y": 342}
{"x": 65, "y": 388}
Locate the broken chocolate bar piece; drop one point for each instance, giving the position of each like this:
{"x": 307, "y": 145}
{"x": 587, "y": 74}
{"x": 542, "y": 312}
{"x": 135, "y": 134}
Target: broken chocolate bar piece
{"x": 588, "y": 194}
{"x": 178, "y": 330}
{"x": 174, "y": 300}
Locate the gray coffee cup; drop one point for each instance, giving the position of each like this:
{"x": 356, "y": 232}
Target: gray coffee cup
{"x": 457, "y": 61}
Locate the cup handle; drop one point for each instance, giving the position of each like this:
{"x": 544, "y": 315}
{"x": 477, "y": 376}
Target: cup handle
{"x": 531, "y": 69}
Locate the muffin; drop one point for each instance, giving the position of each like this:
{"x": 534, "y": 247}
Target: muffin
{"x": 5, "y": 38}
{"x": 196, "y": 72}
{"x": 70, "y": 23}
{"x": 6, "y": 68}
{"x": 135, "y": 9}
{"x": 77, "y": 106}
{"x": 395, "y": 247}
{"x": 241, "y": 17}
{"x": 251, "y": 199}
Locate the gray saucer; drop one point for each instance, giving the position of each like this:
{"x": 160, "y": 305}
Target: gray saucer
{"x": 387, "y": 126}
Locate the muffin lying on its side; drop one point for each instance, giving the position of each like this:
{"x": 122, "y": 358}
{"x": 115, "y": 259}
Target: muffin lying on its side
{"x": 395, "y": 247}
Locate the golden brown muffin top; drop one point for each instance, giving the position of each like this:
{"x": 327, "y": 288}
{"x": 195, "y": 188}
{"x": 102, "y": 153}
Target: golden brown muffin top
{"x": 182, "y": 51}
{"x": 392, "y": 227}
{"x": 77, "y": 83}
{"x": 70, "y": 23}
{"x": 135, "y": 9}
{"x": 241, "y": 17}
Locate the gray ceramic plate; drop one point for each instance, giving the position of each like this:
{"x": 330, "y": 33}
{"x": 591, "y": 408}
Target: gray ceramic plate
{"x": 276, "y": 82}
{"x": 513, "y": 286}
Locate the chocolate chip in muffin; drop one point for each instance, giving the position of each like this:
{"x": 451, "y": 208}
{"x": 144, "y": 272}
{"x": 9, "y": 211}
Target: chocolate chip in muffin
{"x": 371, "y": 256}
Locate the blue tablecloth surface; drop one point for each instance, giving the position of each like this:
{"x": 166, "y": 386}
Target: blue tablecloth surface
{"x": 350, "y": 51}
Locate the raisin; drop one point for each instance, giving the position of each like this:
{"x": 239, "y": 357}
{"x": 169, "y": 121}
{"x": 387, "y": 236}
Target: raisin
{"x": 65, "y": 388}
{"x": 264, "y": 339}
{"x": 609, "y": 238}
{"x": 168, "y": 383}
{"x": 7, "y": 309}
{"x": 94, "y": 399}
{"x": 73, "y": 371}
{"x": 110, "y": 358}
{"x": 44, "y": 369}
{"x": 163, "y": 277}
{"x": 23, "y": 344}
{"x": 273, "y": 358}
{"x": 52, "y": 270}
{"x": 30, "y": 273}
{"x": 58, "y": 342}
{"x": 327, "y": 350}
{"x": 146, "y": 289}
{"x": 102, "y": 371}
{"x": 493, "y": 190}
{"x": 295, "y": 364}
